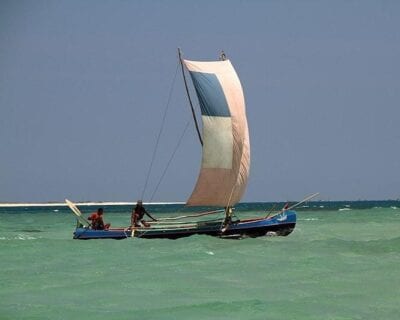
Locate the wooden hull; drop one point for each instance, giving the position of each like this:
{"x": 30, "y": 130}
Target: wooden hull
{"x": 280, "y": 225}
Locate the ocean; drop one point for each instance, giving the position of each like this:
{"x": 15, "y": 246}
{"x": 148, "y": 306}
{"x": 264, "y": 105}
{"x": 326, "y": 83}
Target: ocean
{"x": 341, "y": 262}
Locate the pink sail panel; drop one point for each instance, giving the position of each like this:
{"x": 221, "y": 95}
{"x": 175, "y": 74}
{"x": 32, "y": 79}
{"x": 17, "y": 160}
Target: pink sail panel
{"x": 226, "y": 146}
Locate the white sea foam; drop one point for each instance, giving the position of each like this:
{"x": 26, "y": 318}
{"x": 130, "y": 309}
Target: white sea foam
{"x": 24, "y": 237}
{"x": 394, "y": 208}
{"x": 344, "y": 209}
{"x": 210, "y": 253}
{"x": 18, "y": 237}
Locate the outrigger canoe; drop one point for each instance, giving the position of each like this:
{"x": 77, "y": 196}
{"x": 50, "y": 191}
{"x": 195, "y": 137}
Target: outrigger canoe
{"x": 280, "y": 225}
{"x": 224, "y": 168}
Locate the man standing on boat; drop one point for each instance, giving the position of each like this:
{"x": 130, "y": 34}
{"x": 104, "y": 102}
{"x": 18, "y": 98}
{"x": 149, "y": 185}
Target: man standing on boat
{"x": 137, "y": 215}
{"x": 97, "y": 220}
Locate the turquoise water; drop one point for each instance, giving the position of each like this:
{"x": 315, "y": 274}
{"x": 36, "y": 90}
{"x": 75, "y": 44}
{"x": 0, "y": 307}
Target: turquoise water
{"x": 341, "y": 262}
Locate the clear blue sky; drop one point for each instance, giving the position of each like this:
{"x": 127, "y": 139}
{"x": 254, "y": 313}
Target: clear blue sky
{"x": 83, "y": 87}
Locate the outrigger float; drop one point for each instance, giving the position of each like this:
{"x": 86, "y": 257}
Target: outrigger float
{"x": 224, "y": 169}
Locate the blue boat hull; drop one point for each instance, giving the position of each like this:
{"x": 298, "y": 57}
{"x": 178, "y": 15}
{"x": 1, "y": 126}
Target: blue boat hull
{"x": 281, "y": 225}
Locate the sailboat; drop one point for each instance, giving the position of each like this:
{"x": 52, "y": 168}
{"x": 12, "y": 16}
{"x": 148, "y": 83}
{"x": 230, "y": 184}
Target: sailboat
{"x": 224, "y": 168}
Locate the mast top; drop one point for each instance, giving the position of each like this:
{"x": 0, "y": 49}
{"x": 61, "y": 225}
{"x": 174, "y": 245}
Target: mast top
{"x": 222, "y": 56}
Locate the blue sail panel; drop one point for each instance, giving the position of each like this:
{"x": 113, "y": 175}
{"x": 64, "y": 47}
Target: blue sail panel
{"x": 211, "y": 96}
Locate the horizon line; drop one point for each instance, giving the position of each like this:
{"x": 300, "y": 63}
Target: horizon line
{"x": 128, "y": 203}
{"x": 81, "y": 203}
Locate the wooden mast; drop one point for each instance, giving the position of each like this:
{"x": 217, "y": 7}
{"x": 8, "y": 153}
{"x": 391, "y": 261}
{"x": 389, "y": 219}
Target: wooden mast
{"x": 190, "y": 100}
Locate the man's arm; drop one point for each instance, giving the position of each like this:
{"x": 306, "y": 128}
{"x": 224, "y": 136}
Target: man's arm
{"x": 148, "y": 214}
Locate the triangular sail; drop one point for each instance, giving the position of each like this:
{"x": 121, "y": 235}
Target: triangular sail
{"x": 226, "y": 150}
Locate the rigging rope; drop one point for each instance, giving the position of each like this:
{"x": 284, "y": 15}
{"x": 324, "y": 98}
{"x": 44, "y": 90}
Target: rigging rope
{"x": 191, "y": 215}
{"x": 170, "y": 160}
{"x": 159, "y": 133}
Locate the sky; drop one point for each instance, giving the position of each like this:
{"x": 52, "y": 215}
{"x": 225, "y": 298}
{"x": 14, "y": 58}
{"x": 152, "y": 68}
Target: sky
{"x": 84, "y": 86}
